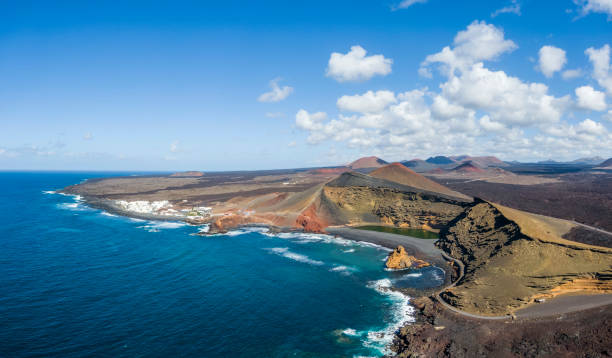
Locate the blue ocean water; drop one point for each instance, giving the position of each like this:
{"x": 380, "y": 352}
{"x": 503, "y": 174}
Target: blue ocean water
{"x": 79, "y": 282}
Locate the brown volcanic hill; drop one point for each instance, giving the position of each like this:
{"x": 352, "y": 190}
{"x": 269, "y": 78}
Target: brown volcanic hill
{"x": 512, "y": 258}
{"x": 367, "y": 162}
{"x": 398, "y": 173}
{"x": 468, "y": 167}
{"x": 189, "y": 174}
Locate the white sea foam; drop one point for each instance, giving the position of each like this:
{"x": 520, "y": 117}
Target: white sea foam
{"x": 348, "y": 250}
{"x": 78, "y": 204}
{"x": 344, "y": 270}
{"x": 284, "y": 251}
{"x": 350, "y": 332}
{"x": 106, "y": 213}
{"x": 49, "y": 192}
{"x": 306, "y": 238}
{"x": 402, "y": 313}
{"x": 156, "y": 226}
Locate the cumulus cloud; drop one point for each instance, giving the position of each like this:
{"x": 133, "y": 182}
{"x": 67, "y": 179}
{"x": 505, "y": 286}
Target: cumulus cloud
{"x": 369, "y": 102}
{"x": 356, "y": 66}
{"x": 174, "y": 146}
{"x": 591, "y": 99}
{"x": 479, "y": 42}
{"x": 599, "y": 6}
{"x": 589, "y": 126}
{"x": 551, "y": 60}
{"x": 513, "y": 8}
{"x": 88, "y": 136}
{"x": 277, "y": 93}
{"x": 600, "y": 59}
{"x": 475, "y": 109}
{"x": 487, "y": 124}
{"x": 506, "y": 98}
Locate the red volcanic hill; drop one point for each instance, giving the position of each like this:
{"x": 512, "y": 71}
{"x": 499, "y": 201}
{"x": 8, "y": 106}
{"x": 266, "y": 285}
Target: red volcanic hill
{"x": 367, "y": 162}
{"x": 398, "y": 173}
{"x": 468, "y": 167}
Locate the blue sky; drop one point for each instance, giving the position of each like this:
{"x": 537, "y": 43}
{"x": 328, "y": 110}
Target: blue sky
{"x": 178, "y": 85}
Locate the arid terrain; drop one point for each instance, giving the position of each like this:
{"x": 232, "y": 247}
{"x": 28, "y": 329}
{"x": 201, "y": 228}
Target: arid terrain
{"x": 513, "y": 239}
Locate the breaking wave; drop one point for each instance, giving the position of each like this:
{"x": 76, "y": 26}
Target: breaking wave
{"x": 156, "y": 226}
{"x": 284, "y": 251}
{"x": 344, "y": 270}
{"x": 380, "y": 339}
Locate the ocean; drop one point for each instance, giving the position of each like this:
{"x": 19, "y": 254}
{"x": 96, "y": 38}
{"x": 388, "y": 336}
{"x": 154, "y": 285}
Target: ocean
{"x": 79, "y": 282}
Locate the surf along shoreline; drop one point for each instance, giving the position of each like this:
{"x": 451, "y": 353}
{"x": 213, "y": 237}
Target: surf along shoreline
{"x": 420, "y": 248}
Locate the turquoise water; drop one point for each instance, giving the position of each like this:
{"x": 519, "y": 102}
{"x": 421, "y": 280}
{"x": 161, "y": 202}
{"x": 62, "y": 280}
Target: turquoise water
{"x": 78, "y": 282}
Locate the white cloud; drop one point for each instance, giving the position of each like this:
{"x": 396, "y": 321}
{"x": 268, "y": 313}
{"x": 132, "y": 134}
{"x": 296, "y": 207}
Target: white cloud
{"x": 600, "y": 6}
{"x": 600, "y": 59}
{"x": 174, "y": 146}
{"x": 507, "y": 99}
{"x": 552, "y": 59}
{"x": 479, "y": 42}
{"x": 608, "y": 115}
{"x": 291, "y": 144}
{"x": 356, "y": 66}
{"x": 589, "y": 126}
{"x": 513, "y": 8}
{"x": 88, "y": 136}
{"x": 591, "y": 99}
{"x": 309, "y": 121}
{"x": 368, "y": 102}
{"x": 277, "y": 93}
{"x": 571, "y": 74}
{"x": 475, "y": 110}
{"x": 487, "y": 124}
{"x": 408, "y": 3}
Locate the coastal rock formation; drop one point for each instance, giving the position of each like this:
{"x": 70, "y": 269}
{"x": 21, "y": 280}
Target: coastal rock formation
{"x": 399, "y": 259}
{"x": 512, "y": 258}
{"x": 309, "y": 221}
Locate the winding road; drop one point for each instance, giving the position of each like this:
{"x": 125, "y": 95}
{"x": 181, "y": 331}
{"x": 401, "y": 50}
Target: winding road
{"x": 554, "y": 306}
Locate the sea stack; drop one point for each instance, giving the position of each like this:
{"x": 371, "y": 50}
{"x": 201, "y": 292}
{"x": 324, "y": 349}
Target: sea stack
{"x": 399, "y": 259}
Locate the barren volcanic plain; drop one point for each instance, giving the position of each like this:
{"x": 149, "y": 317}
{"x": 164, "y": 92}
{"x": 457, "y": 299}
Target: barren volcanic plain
{"x": 514, "y": 243}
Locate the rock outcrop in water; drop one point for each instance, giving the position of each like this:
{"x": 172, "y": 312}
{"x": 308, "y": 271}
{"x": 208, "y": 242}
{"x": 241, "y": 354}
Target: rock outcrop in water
{"x": 399, "y": 259}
